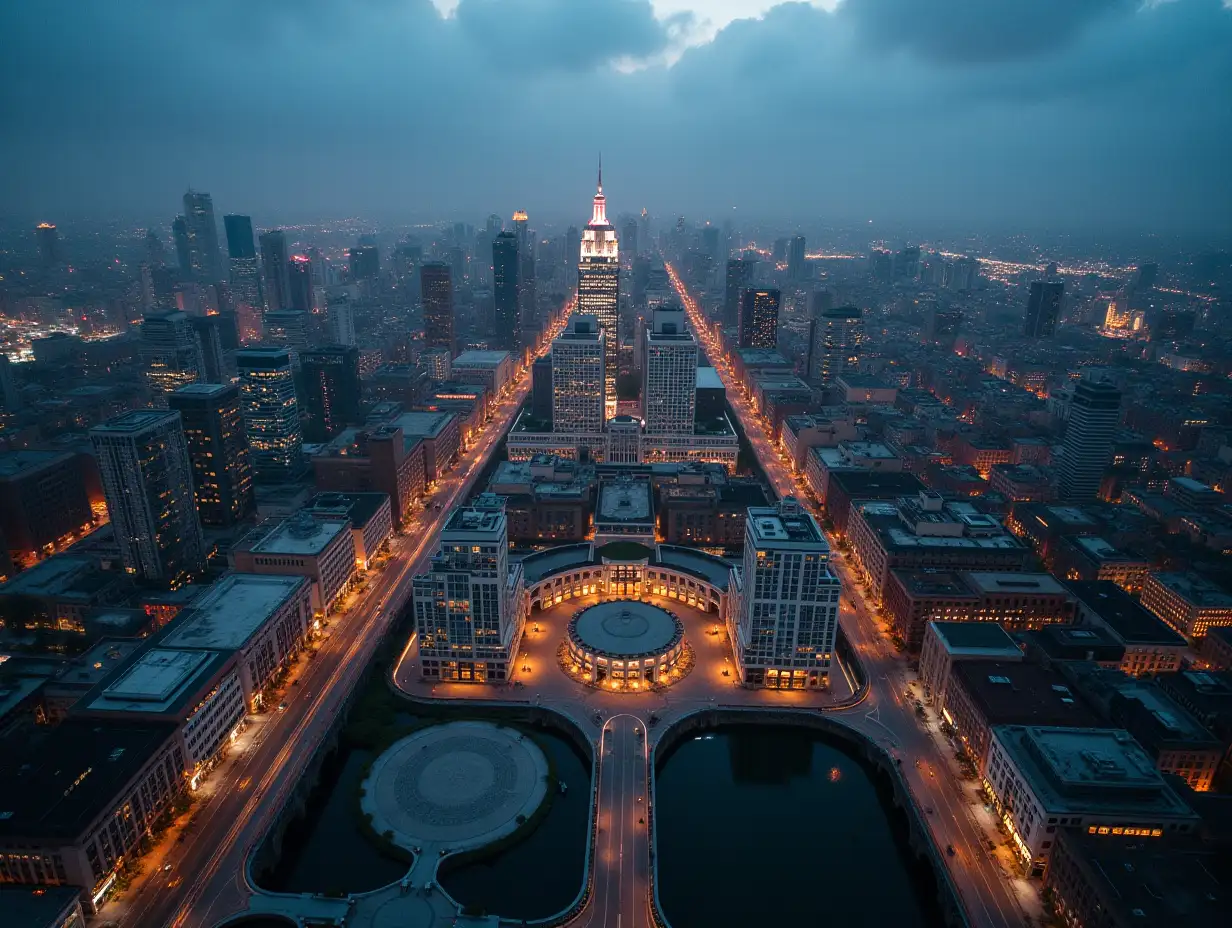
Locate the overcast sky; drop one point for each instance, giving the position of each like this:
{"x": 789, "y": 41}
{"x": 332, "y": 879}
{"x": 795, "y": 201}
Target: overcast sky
{"x": 1088, "y": 115}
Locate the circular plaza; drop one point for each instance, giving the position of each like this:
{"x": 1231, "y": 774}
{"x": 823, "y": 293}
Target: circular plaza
{"x": 625, "y": 643}
{"x": 458, "y": 786}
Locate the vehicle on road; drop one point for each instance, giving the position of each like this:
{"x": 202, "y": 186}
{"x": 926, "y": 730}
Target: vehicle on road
{"x": 949, "y": 849}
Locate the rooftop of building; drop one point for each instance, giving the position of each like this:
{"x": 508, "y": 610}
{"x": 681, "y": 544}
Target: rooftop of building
{"x": 1091, "y": 770}
{"x": 1021, "y": 693}
{"x": 884, "y": 518}
{"x": 60, "y": 575}
{"x": 301, "y": 535}
{"x": 231, "y": 611}
{"x": 625, "y": 501}
{"x": 1123, "y": 614}
{"x": 968, "y": 638}
{"x": 1099, "y": 549}
{"x": 553, "y": 560}
{"x": 1172, "y": 718}
{"x": 1195, "y": 589}
{"x": 16, "y": 463}
{"x": 1062, "y": 517}
{"x": 358, "y": 507}
{"x": 475, "y": 358}
{"x": 202, "y": 390}
{"x": 761, "y": 357}
{"x": 930, "y": 582}
{"x": 158, "y": 681}
{"x": 54, "y": 784}
{"x": 1021, "y": 472}
{"x": 713, "y": 570}
{"x": 863, "y": 382}
{"x": 135, "y": 420}
{"x": 423, "y": 424}
{"x": 1075, "y": 643}
{"x": 787, "y": 524}
{"x": 87, "y": 670}
{"x": 1153, "y": 884}
{"x": 871, "y": 484}
{"x": 995, "y": 581}
{"x": 486, "y": 517}
{"x": 708, "y": 379}
{"x": 38, "y": 906}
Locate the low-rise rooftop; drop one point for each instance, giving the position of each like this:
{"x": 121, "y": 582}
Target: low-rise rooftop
{"x": 976, "y": 637}
{"x": 1123, "y": 615}
{"x": 231, "y": 611}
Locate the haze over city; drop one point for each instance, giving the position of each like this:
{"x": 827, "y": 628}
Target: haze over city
{"x": 615, "y": 463}
{"x": 1047, "y": 115}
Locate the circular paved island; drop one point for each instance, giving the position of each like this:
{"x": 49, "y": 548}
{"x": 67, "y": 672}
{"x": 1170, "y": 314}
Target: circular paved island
{"x": 458, "y": 786}
{"x": 625, "y": 642}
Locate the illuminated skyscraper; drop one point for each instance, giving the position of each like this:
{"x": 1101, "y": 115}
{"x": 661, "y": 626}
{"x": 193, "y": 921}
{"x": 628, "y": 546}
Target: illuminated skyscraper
{"x": 218, "y": 450}
{"x": 759, "y": 317}
{"x": 48, "y": 243}
{"x": 670, "y": 389}
{"x": 276, "y": 261}
{"x": 270, "y": 411}
{"x": 436, "y": 289}
{"x": 837, "y": 336}
{"x": 299, "y": 274}
{"x": 147, "y": 481}
{"x": 469, "y": 606}
{"x": 1043, "y": 308}
{"x": 505, "y": 276}
{"x": 205, "y": 257}
{"x": 599, "y": 287}
{"x": 578, "y": 356}
{"x": 246, "y": 292}
{"x": 171, "y": 353}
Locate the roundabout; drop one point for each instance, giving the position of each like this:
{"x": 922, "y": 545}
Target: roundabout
{"x": 625, "y": 643}
{"x": 457, "y": 786}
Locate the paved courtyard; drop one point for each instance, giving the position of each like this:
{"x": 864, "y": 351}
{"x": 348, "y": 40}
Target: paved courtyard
{"x": 458, "y": 786}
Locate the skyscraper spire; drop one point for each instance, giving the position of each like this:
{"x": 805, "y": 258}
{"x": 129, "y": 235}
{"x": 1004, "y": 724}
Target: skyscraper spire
{"x": 600, "y": 172}
{"x": 599, "y": 215}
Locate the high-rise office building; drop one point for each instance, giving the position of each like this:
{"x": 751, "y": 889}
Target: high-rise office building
{"x": 436, "y": 289}
{"x": 276, "y": 263}
{"x": 907, "y": 263}
{"x": 171, "y": 352}
{"x": 211, "y": 334}
{"x": 526, "y": 290}
{"x": 759, "y": 317}
{"x": 331, "y": 390}
{"x": 364, "y": 262}
{"x": 10, "y": 392}
{"x": 837, "y": 335}
{"x": 628, "y": 236}
{"x": 506, "y": 293}
{"x": 299, "y": 276}
{"x": 183, "y": 252}
{"x": 797, "y": 269}
{"x": 289, "y": 329}
{"x": 1043, "y": 308}
{"x": 205, "y": 257}
{"x": 48, "y": 243}
{"x": 147, "y": 482}
{"x": 246, "y": 291}
{"x": 669, "y": 392}
{"x": 217, "y": 449}
{"x": 599, "y": 287}
{"x": 469, "y": 610}
{"x": 271, "y": 412}
{"x": 573, "y": 242}
{"x": 739, "y": 276}
{"x": 712, "y": 245}
{"x": 341, "y": 320}
{"x": 1094, "y": 415}
{"x": 578, "y": 356}
{"x": 784, "y": 634}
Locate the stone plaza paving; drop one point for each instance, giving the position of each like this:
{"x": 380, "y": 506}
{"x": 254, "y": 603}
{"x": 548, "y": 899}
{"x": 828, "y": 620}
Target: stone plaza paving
{"x": 455, "y": 786}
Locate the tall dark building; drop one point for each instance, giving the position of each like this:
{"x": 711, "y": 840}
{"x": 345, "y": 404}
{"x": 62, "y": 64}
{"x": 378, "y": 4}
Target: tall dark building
{"x": 217, "y": 449}
{"x": 246, "y": 293}
{"x": 907, "y": 263}
{"x": 364, "y": 262}
{"x": 183, "y": 255}
{"x": 1043, "y": 308}
{"x": 795, "y": 258}
{"x": 628, "y": 238}
{"x": 541, "y": 389}
{"x": 209, "y": 331}
{"x": 942, "y": 326}
{"x": 436, "y": 289}
{"x": 205, "y": 257}
{"x": 1094, "y": 416}
{"x": 739, "y": 274}
{"x": 759, "y": 317}
{"x": 710, "y": 245}
{"x": 276, "y": 262}
{"x": 506, "y": 268}
{"x": 48, "y": 243}
{"x": 299, "y": 276}
{"x": 331, "y": 390}
{"x": 573, "y": 244}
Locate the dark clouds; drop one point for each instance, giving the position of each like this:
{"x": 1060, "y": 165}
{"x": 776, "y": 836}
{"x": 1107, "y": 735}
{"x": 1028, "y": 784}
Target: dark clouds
{"x": 1079, "y": 113}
